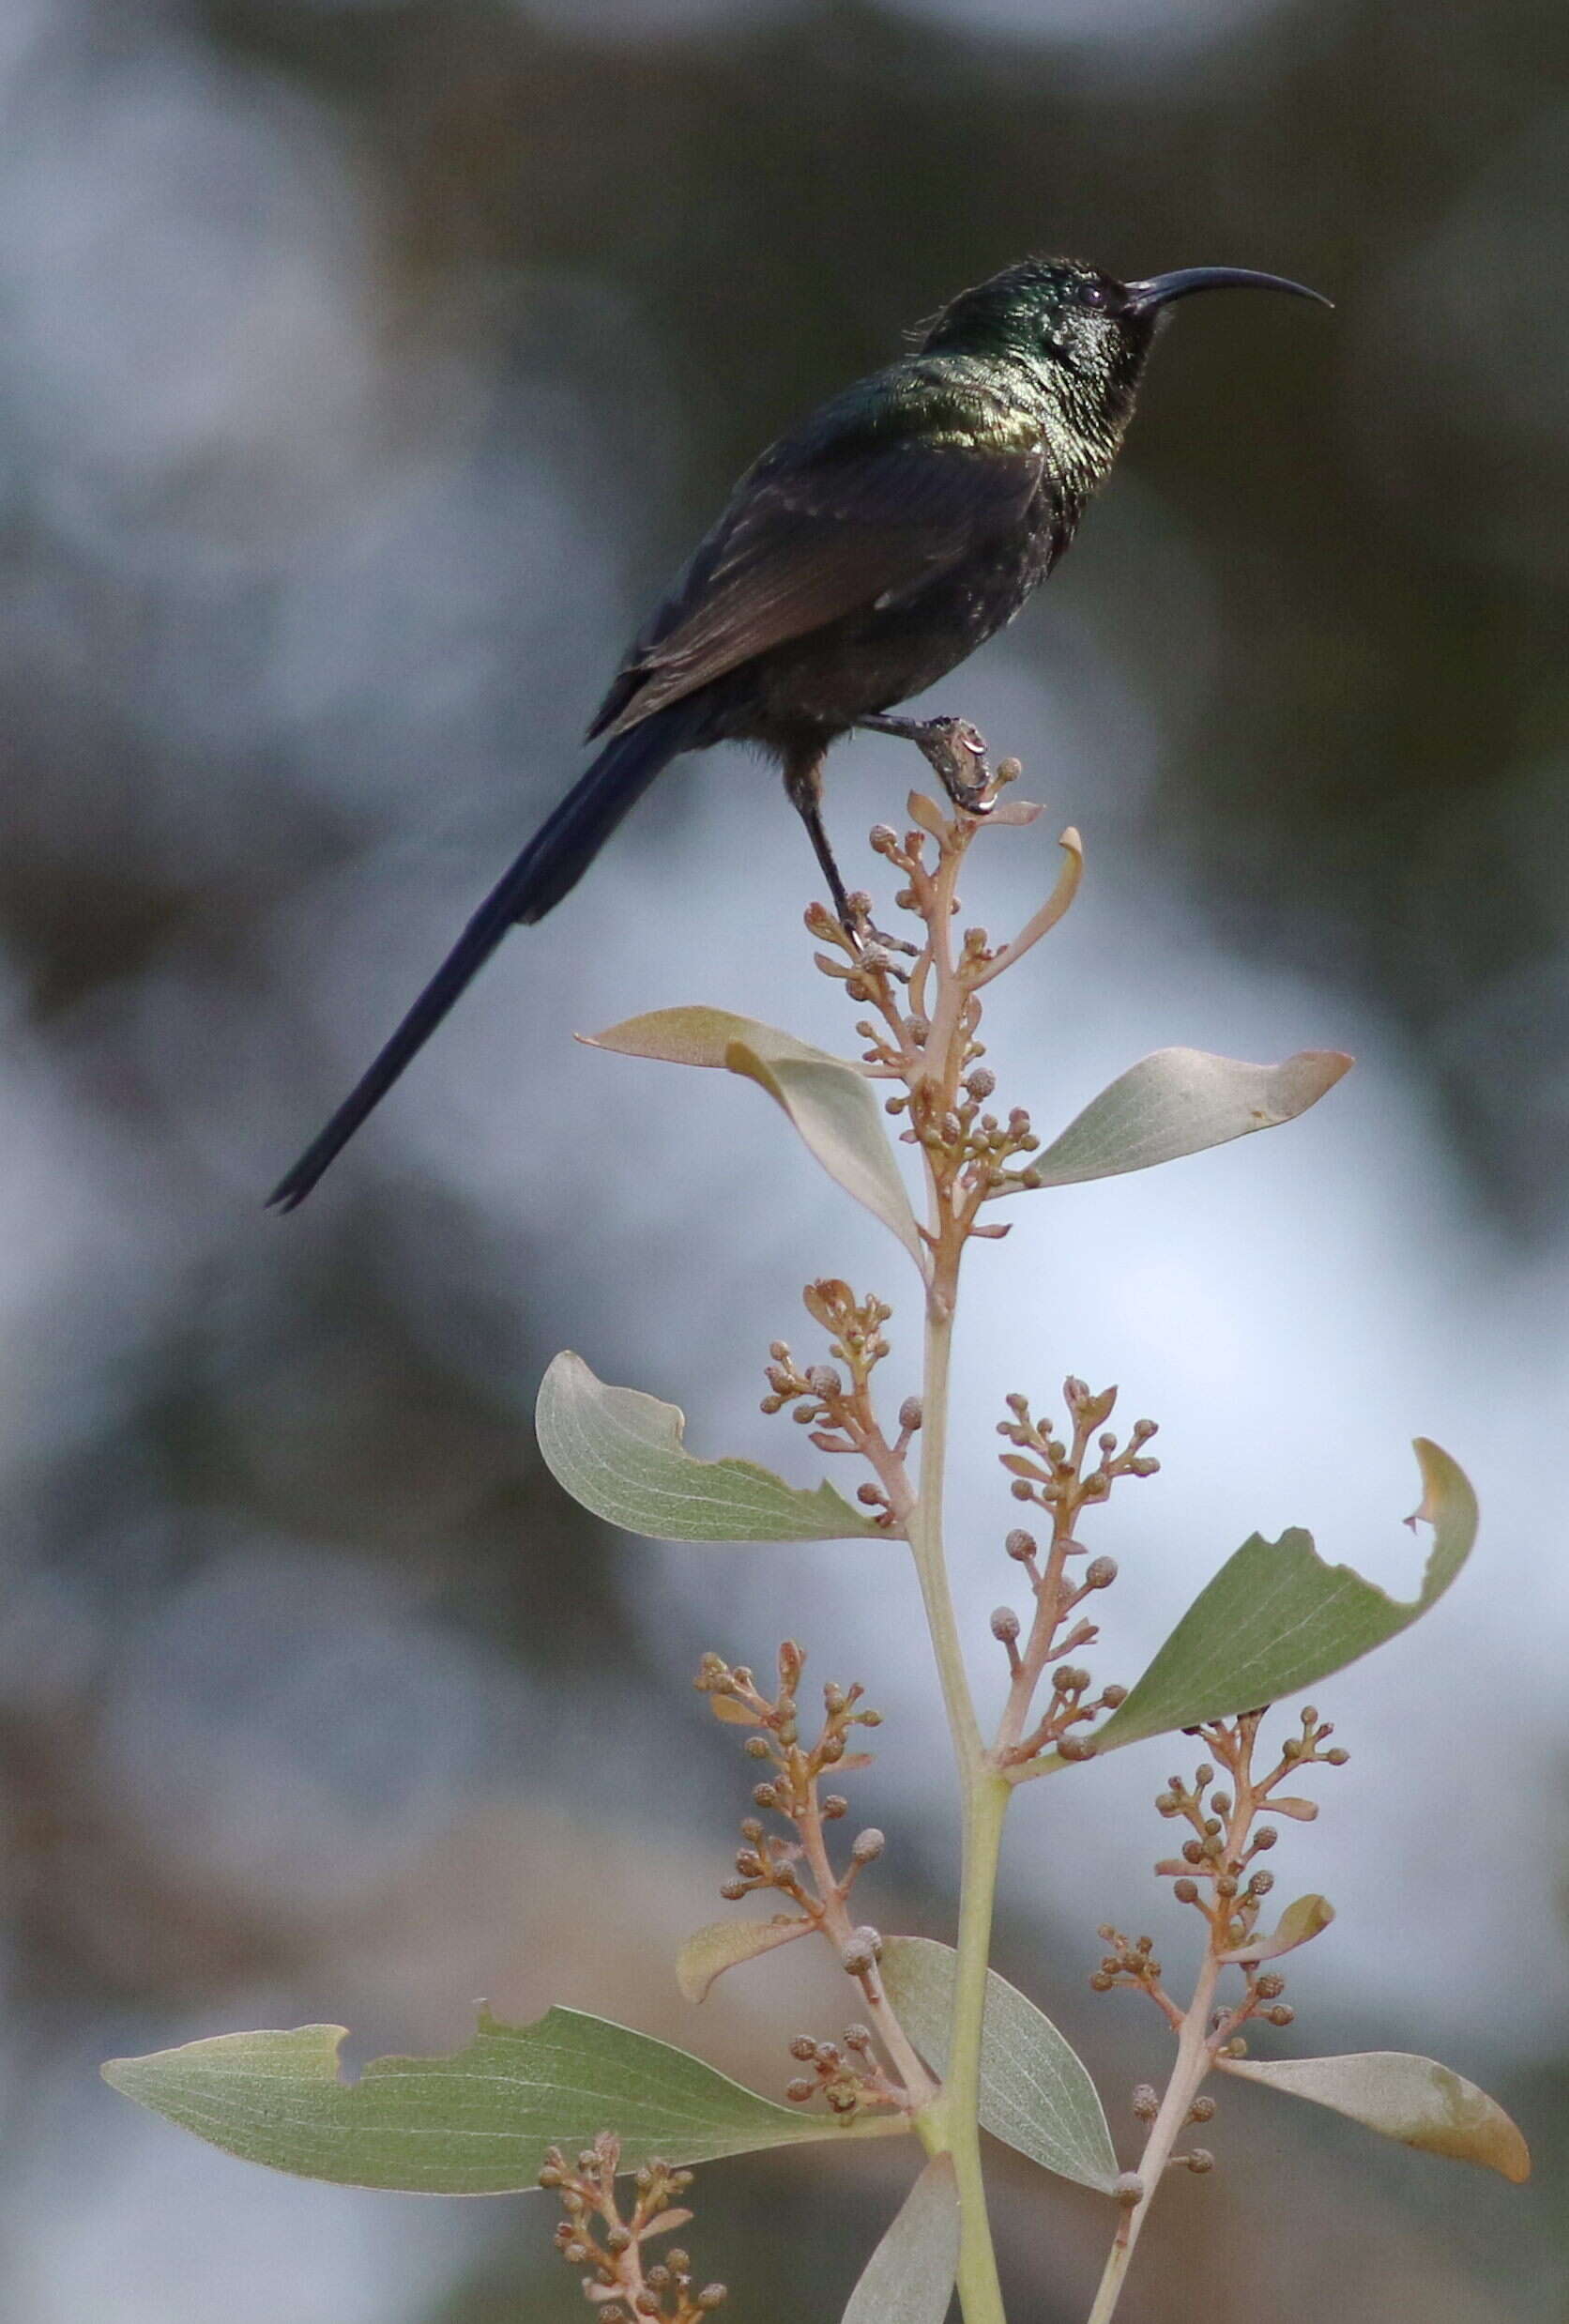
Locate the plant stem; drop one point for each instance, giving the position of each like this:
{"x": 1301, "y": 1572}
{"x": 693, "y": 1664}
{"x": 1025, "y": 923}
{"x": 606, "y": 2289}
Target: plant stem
{"x": 1193, "y": 2060}
{"x": 951, "y": 2125}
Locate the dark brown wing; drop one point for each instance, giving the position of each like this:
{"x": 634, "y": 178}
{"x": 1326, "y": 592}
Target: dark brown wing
{"x": 810, "y": 538}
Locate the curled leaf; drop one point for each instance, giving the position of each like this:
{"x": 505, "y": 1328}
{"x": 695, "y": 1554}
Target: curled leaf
{"x": 1298, "y": 1925}
{"x": 1412, "y": 2098}
{"x": 1041, "y": 923}
{"x": 620, "y": 1453}
{"x": 1178, "y": 1102}
{"x": 1276, "y": 1618}
{"x": 723, "y": 1944}
{"x": 829, "y": 1102}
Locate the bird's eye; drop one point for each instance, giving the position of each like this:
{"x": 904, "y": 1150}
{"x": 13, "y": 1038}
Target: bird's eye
{"x": 1092, "y": 295}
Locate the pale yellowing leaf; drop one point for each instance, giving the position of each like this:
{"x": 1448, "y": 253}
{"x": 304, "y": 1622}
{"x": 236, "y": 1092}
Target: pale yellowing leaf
{"x": 1179, "y": 1101}
{"x": 620, "y": 1453}
{"x": 1412, "y": 2098}
{"x": 829, "y": 1102}
{"x": 1298, "y": 1925}
{"x": 709, "y": 1952}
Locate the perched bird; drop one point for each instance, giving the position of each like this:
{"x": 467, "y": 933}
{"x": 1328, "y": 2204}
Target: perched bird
{"x": 862, "y": 557}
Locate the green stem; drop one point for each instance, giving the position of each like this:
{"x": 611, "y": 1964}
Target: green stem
{"x": 951, "y": 2125}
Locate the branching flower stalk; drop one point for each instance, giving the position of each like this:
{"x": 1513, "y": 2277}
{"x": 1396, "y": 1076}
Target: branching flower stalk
{"x": 924, "y": 1038}
{"x": 1218, "y": 1875}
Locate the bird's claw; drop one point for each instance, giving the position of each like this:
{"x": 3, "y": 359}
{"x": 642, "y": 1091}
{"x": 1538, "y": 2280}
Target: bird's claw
{"x": 866, "y": 938}
{"x": 954, "y": 750}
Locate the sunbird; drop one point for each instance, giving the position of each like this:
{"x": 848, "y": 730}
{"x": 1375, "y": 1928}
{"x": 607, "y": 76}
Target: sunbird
{"x": 857, "y": 561}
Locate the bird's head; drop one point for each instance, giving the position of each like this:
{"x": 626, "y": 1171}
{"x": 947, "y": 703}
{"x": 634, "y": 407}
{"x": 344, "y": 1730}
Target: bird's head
{"x": 1078, "y": 324}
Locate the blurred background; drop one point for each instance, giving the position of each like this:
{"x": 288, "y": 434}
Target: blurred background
{"x": 364, "y": 369}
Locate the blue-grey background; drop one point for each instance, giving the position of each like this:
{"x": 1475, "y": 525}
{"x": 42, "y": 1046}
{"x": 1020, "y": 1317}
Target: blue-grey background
{"x": 363, "y": 369}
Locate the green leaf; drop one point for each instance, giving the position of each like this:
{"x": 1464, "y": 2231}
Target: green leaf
{"x": 1299, "y": 1924}
{"x": 478, "y": 2122}
{"x": 723, "y": 1944}
{"x": 1035, "y": 2090}
{"x": 1412, "y": 2098}
{"x": 1180, "y": 1101}
{"x": 831, "y": 1103}
{"x": 1275, "y": 1618}
{"x": 620, "y": 1454}
{"x": 909, "y": 2277}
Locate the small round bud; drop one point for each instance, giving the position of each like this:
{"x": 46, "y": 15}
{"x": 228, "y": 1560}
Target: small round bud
{"x": 1020, "y": 1489}
{"x": 867, "y": 1846}
{"x": 909, "y": 1412}
{"x": 1282, "y": 2014}
{"x": 804, "y": 2047}
{"x": 732, "y": 1891}
{"x": 1005, "y": 1623}
{"x": 1192, "y": 1852}
{"x": 1100, "y": 1573}
{"x": 756, "y": 1747}
{"x": 1114, "y": 1697}
{"x": 1204, "y": 1775}
{"x": 857, "y": 1957}
{"x": 1225, "y": 1884}
{"x": 1128, "y": 2189}
{"x": 1186, "y": 1892}
{"x": 1099, "y": 1983}
{"x": 1020, "y": 1545}
{"x": 858, "y": 2037}
{"x": 883, "y": 836}
{"x": 1337, "y": 1757}
{"x": 824, "y": 1380}
{"x": 1261, "y": 1882}
{"x": 1201, "y": 2160}
{"x": 1266, "y": 1835}
{"x": 617, "y": 2238}
{"x": 834, "y": 1806}
{"x": 1075, "y": 1748}
{"x": 1147, "y": 2103}
{"x": 551, "y": 2174}
{"x": 1221, "y": 1802}
{"x": 981, "y": 1083}
{"x": 799, "y": 2090}
{"x": 748, "y": 1863}
{"x": 712, "y": 2295}
{"x": 765, "y": 1796}
{"x": 1269, "y": 1986}
{"x": 1166, "y": 1804}
{"x": 1202, "y": 2110}
{"x": 1310, "y": 1717}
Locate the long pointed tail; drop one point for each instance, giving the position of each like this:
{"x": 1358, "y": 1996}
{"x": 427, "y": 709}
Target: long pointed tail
{"x": 553, "y": 860}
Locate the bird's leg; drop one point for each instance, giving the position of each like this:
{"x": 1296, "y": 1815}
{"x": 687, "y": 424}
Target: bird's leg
{"x": 803, "y": 786}
{"x": 956, "y": 752}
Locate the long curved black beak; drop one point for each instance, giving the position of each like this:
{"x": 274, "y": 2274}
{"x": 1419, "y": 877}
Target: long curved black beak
{"x": 1160, "y": 289}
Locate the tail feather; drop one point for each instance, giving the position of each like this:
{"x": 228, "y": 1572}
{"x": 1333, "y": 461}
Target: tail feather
{"x": 553, "y": 860}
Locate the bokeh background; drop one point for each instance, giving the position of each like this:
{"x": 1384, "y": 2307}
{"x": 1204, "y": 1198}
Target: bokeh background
{"x": 363, "y": 369}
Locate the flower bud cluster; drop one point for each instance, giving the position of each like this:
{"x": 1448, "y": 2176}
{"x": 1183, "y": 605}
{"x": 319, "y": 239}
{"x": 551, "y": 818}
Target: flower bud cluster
{"x": 622, "y": 2285}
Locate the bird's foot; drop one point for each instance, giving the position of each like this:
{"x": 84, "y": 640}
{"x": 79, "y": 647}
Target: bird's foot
{"x": 954, "y": 750}
{"x": 867, "y": 938}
